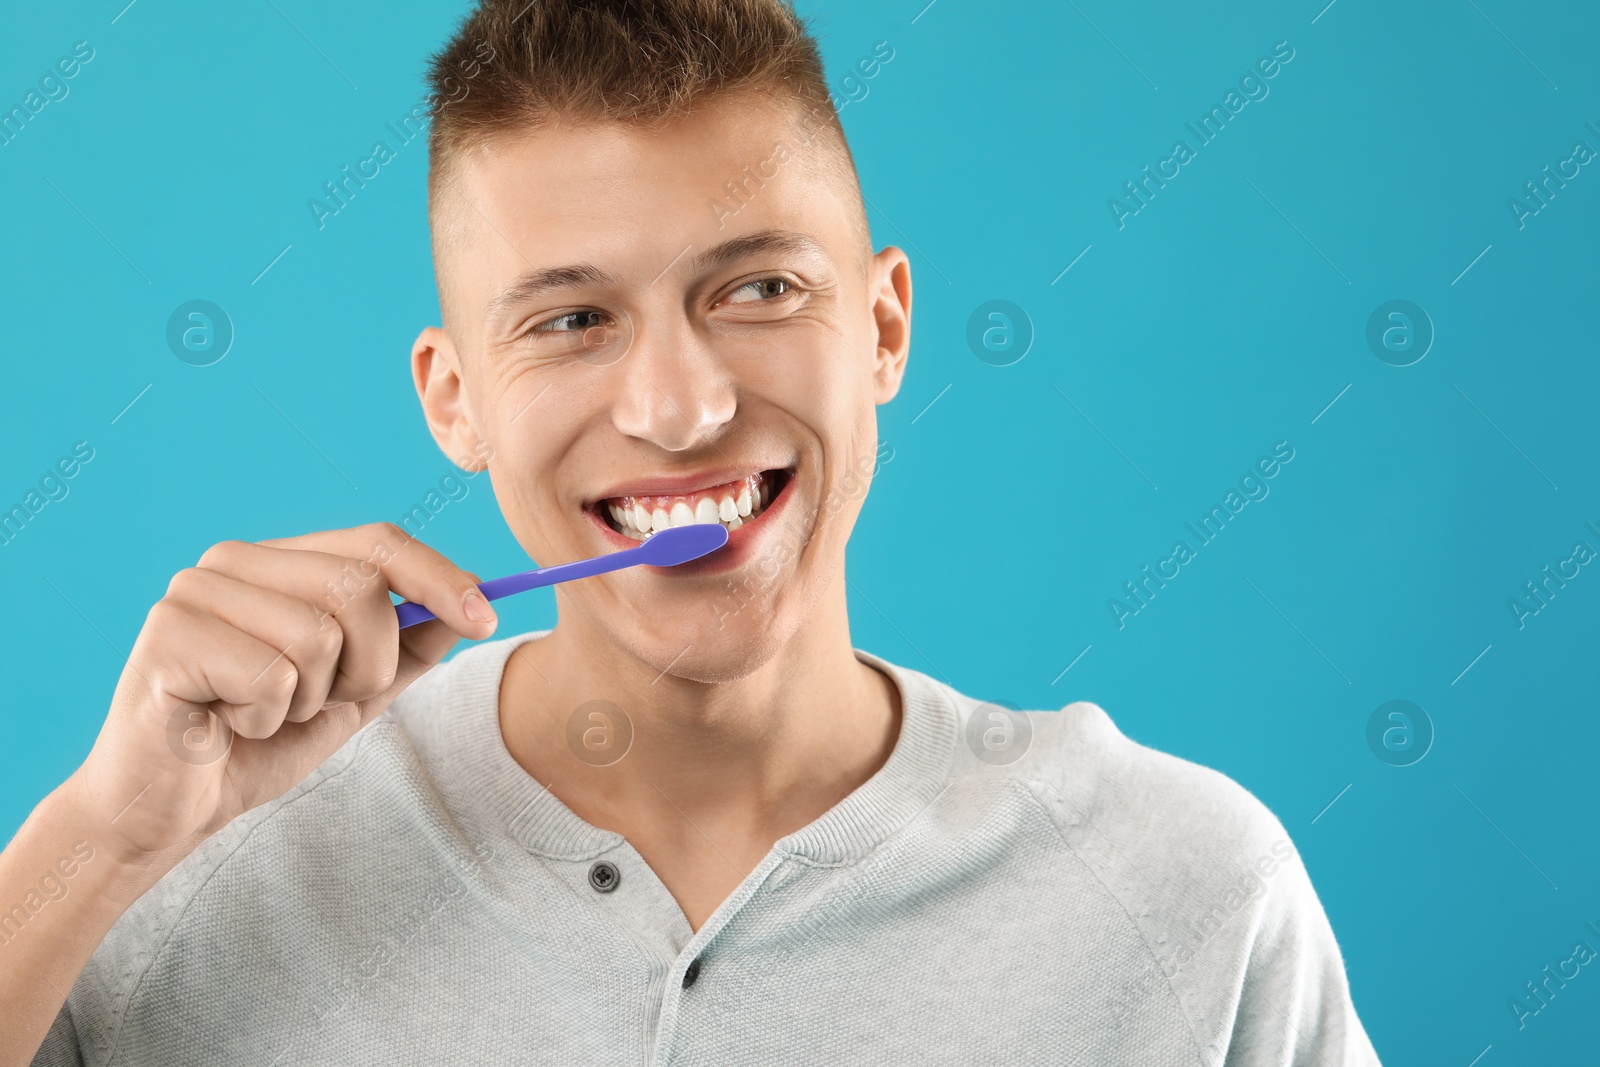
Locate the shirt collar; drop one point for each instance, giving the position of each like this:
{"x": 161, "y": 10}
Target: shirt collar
{"x": 483, "y": 773}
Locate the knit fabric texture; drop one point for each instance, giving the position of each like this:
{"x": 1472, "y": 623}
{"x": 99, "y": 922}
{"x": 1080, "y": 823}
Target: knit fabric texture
{"x": 1072, "y": 897}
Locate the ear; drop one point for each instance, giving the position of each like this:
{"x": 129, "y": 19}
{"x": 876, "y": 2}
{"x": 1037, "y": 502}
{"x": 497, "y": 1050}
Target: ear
{"x": 890, "y": 292}
{"x": 436, "y": 371}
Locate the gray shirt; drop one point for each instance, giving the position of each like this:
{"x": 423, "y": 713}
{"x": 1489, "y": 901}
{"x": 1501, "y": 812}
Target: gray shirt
{"x": 1008, "y": 888}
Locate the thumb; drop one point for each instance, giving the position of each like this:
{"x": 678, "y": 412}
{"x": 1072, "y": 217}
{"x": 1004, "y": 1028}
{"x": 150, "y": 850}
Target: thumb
{"x": 424, "y": 645}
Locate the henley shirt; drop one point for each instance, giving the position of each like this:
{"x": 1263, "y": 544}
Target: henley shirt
{"x": 1067, "y": 897}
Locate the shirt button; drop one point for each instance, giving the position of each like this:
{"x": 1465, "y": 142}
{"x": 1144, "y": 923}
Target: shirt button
{"x": 604, "y": 876}
{"x": 691, "y": 973}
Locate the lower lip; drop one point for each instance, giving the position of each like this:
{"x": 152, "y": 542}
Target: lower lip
{"x": 741, "y": 546}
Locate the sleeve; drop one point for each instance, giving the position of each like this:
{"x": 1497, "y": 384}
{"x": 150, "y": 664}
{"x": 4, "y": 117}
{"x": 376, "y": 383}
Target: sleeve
{"x": 60, "y": 1048}
{"x": 1294, "y": 1007}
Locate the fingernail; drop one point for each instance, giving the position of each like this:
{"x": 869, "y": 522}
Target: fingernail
{"x": 475, "y": 607}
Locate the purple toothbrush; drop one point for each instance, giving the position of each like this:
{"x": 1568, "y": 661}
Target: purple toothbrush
{"x": 670, "y": 547}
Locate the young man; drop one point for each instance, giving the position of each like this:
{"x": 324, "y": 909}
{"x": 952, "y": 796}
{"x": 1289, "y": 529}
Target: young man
{"x": 691, "y": 823}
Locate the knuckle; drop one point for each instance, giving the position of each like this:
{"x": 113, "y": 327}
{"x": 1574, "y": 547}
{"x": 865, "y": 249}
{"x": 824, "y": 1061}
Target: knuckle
{"x": 279, "y": 682}
{"x": 161, "y": 677}
{"x": 219, "y": 552}
{"x": 163, "y": 614}
{"x": 326, "y": 640}
{"x": 389, "y": 535}
{"x": 185, "y": 582}
{"x": 374, "y": 591}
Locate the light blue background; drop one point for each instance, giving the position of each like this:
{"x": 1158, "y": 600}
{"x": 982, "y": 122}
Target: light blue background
{"x": 1223, "y": 318}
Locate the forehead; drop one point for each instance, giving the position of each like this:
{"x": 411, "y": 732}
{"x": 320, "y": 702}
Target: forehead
{"x": 636, "y": 197}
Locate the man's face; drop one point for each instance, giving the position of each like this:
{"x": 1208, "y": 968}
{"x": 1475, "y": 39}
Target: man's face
{"x": 637, "y": 346}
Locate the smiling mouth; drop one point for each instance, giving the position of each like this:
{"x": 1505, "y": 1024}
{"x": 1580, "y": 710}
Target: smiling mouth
{"x": 732, "y": 504}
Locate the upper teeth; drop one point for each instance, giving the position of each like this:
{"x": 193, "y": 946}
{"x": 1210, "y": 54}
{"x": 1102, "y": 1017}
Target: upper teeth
{"x": 730, "y": 504}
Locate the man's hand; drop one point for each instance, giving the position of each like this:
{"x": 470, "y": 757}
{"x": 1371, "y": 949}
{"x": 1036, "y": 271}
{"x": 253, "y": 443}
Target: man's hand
{"x": 254, "y": 668}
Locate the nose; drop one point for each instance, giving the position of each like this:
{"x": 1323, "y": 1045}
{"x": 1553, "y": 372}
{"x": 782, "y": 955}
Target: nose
{"x": 674, "y": 391}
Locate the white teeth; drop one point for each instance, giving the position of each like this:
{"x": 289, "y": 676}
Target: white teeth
{"x": 634, "y": 520}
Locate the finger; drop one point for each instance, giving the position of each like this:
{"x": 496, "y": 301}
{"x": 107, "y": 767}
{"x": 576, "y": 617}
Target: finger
{"x": 412, "y": 569}
{"x": 287, "y": 623}
{"x": 342, "y": 593}
{"x": 199, "y": 659}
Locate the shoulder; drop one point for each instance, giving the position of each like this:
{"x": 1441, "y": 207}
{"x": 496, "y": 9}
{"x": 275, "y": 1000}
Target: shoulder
{"x": 1107, "y": 793}
{"x": 1215, "y": 885}
{"x": 1182, "y": 818}
{"x": 1205, "y": 874}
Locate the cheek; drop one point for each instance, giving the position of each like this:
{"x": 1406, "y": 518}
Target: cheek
{"x": 819, "y": 378}
{"x": 529, "y": 421}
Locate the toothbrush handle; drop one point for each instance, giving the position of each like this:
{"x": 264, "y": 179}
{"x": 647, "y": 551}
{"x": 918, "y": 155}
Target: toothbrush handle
{"x": 410, "y": 614}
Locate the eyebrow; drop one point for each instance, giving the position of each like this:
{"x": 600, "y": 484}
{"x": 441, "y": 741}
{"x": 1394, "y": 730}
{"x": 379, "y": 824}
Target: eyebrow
{"x": 539, "y": 281}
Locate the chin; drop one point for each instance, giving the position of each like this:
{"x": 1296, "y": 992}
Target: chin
{"x": 698, "y": 649}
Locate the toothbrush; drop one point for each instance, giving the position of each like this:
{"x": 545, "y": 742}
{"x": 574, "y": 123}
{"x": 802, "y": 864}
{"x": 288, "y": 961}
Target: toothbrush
{"x": 666, "y": 548}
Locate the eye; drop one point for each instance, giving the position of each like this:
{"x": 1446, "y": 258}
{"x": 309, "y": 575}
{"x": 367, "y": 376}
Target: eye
{"x": 595, "y": 337}
{"x": 572, "y": 322}
{"x": 760, "y": 290}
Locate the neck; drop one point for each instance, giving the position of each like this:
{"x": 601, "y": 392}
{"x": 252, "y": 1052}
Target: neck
{"x": 736, "y": 764}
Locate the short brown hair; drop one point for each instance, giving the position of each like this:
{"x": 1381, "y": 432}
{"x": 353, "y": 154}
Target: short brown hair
{"x": 516, "y": 65}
